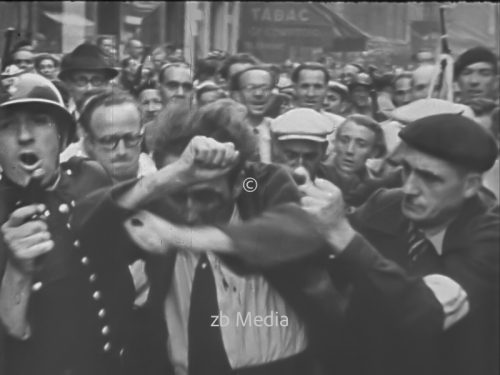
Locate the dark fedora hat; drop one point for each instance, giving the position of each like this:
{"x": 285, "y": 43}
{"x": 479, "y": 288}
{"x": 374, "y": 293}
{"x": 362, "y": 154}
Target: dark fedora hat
{"x": 86, "y": 57}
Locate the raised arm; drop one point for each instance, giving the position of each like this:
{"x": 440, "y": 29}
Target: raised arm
{"x": 25, "y": 241}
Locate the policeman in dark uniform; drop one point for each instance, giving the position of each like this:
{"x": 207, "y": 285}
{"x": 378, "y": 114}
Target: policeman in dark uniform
{"x": 66, "y": 294}
{"x": 75, "y": 296}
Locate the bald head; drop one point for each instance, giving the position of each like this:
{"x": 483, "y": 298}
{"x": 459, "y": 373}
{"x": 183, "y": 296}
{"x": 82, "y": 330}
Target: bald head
{"x": 422, "y": 77}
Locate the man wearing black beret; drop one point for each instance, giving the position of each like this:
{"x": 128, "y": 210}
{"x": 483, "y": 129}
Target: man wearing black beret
{"x": 476, "y": 74}
{"x": 438, "y": 312}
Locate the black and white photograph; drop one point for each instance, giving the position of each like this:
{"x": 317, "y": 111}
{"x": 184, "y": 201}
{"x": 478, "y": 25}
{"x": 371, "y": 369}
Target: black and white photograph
{"x": 249, "y": 188}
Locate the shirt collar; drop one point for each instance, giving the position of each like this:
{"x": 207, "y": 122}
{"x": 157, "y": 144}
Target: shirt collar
{"x": 437, "y": 240}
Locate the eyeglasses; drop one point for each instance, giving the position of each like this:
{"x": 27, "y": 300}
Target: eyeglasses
{"x": 84, "y": 81}
{"x": 253, "y": 89}
{"x": 110, "y": 142}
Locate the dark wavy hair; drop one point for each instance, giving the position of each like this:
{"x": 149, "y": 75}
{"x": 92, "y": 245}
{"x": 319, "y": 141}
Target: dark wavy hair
{"x": 223, "y": 120}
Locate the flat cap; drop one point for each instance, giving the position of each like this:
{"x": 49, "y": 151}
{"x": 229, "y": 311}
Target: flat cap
{"x": 453, "y": 138}
{"x": 428, "y": 107}
{"x": 338, "y": 87}
{"x": 361, "y": 79}
{"x": 302, "y": 123}
{"x": 472, "y": 56}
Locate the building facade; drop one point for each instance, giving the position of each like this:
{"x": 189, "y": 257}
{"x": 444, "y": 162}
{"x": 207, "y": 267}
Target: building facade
{"x": 195, "y": 26}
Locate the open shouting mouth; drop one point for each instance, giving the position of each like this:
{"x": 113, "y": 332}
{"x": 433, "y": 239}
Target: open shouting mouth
{"x": 29, "y": 161}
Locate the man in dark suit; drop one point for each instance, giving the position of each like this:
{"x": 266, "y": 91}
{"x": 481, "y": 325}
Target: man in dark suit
{"x": 441, "y": 231}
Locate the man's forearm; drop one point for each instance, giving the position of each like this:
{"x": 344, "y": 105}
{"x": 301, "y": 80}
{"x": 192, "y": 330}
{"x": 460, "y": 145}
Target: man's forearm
{"x": 15, "y": 291}
{"x": 340, "y": 237}
{"x": 152, "y": 186}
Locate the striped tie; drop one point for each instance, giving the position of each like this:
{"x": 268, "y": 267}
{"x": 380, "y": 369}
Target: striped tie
{"x": 418, "y": 243}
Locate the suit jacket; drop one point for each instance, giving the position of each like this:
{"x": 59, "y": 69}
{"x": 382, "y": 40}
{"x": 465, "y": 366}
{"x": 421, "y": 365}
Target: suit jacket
{"x": 273, "y": 224}
{"x": 470, "y": 257}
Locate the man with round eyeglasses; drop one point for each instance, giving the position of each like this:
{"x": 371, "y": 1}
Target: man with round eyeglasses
{"x": 252, "y": 87}
{"x": 85, "y": 69}
{"x": 116, "y": 148}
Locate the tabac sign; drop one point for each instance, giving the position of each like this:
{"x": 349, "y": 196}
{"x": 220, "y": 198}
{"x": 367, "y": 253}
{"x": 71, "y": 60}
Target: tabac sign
{"x": 280, "y": 14}
{"x": 268, "y": 13}
{"x": 269, "y": 29}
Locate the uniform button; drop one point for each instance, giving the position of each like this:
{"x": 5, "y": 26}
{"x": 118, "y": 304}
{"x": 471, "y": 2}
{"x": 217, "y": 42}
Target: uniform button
{"x": 63, "y": 208}
{"x": 96, "y": 295}
{"x": 69, "y": 172}
{"x": 85, "y": 261}
{"x": 204, "y": 265}
{"x": 37, "y": 286}
{"x": 102, "y": 313}
{"x": 76, "y": 243}
{"x": 93, "y": 278}
{"x": 107, "y": 347}
{"x": 46, "y": 213}
{"x": 105, "y": 330}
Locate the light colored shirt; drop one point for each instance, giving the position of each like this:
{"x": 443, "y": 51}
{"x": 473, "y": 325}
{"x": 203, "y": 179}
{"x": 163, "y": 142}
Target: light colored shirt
{"x": 450, "y": 294}
{"x": 437, "y": 240}
{"x": 242, "y": 299}
{"x": 263, "y": 132}
{"x": 137, "y": 269}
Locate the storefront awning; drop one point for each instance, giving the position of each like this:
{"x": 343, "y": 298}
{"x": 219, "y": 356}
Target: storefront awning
{"x": 70, "y": 19}
{"x": 274, "y": 28}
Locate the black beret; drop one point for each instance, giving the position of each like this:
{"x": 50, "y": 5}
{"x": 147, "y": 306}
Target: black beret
{"x": 454, "y": 138}
{"x": 475, "y": 55}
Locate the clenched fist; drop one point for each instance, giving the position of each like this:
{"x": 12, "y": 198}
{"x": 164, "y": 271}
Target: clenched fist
{"x": 204, "y": 159}
{"x": 27, "y": 239}
{"x": 323, "y": 201}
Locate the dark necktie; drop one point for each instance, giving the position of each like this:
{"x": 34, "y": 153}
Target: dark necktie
{"x": 418, "y": 243}
{"x": 206, "y": 355}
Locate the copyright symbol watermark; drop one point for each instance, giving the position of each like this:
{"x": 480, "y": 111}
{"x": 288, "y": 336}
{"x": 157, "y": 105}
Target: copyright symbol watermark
{"x": 250, "y": 184}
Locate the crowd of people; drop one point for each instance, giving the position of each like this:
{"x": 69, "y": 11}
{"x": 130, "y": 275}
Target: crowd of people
{"x": 238, "y": 217}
